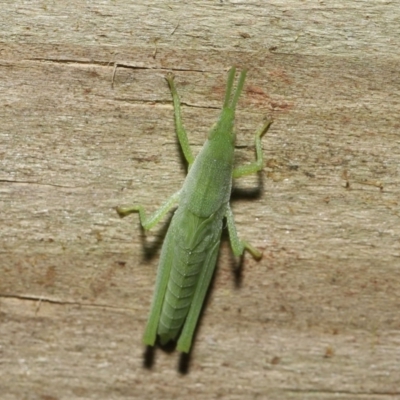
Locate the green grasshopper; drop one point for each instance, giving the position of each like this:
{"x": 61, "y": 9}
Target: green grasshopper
{"x": 190, "y": 249}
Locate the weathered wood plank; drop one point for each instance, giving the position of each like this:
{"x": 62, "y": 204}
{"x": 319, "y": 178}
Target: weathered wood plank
{"x": 317, "y": 317}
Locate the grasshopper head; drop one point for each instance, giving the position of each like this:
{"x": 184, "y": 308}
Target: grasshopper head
{"x": 223, "y": 129}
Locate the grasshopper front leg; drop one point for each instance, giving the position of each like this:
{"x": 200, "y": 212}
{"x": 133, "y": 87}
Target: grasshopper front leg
{"x": 149, "y": 222}
{"x": 180, "y": 130}
{"x": 258, "y": 164}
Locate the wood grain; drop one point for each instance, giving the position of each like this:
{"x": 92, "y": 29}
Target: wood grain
{"x": 87, "y": 124}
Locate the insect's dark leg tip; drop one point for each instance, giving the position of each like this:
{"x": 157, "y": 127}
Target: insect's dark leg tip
{"x": 184, "y": 363}
{"x": 148, "y": 357}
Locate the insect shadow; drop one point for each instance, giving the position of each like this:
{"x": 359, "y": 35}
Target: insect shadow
{"x": 239, "y": 193}
{"x": 149, "y": 353}
{"x": 152, "y": 247}
{"x": 184, "y": 358}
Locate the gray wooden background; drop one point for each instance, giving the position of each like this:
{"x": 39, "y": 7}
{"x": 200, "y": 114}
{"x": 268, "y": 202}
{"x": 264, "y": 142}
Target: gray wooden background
{"x": 86, "y": 124}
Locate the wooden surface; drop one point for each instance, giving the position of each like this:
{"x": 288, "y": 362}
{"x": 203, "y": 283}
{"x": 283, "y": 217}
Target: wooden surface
{"x": 318, "y": 316}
